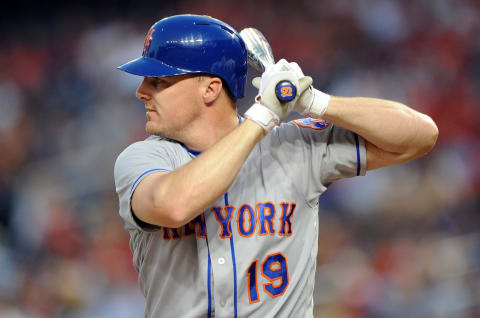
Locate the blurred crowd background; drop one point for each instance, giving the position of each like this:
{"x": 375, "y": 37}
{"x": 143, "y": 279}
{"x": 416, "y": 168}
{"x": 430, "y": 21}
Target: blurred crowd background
{"x": 400, "y": 242}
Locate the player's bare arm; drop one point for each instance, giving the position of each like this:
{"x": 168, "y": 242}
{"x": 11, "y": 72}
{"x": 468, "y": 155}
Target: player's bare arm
{"x": 173, "y": 199}
{"x": 394, "y": 133}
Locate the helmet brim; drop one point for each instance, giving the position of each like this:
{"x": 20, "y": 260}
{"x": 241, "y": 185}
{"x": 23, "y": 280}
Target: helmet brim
{"x": 144, "y": 66}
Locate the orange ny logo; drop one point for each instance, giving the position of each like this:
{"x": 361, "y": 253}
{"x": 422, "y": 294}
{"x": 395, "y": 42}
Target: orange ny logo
{"x": 286, "y": 91}
{"x": 148, "y": 39}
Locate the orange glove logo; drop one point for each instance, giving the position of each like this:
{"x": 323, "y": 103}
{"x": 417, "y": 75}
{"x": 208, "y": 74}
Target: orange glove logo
{"x": 286, "y": 91}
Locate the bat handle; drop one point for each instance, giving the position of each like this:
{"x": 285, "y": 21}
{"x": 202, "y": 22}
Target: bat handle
{"x": 285, "y": 91}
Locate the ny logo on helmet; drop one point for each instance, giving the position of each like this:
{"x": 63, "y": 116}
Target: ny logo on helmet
{"x": 148, "y": 39}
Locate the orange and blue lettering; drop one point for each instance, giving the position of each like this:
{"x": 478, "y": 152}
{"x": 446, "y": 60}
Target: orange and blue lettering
{"x": 275, "y": 268}
{"x": 266, "y": 213}
{"x": 252, "y": 283}
{"x": 246, "y": 209}
{"x": 191, "y": 227}
{"x": 167, "y": 233}
{"x": 286, "y": 218}
{"x": 224, "y": 220}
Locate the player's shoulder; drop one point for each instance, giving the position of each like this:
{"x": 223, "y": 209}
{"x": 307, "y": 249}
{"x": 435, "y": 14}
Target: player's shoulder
{"x": 310, "y": 123}
{"x": 305, "y": 129}
{"x": 303, "y": 126}
{"x": 150, "y": 146}
{"x": 145, "y": 145}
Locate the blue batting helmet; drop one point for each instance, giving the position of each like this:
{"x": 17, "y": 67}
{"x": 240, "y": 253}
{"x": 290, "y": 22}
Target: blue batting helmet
{"x": 188, "y": 44}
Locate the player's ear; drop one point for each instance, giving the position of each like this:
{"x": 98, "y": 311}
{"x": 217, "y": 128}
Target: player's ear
{"x": 212, "y": 87}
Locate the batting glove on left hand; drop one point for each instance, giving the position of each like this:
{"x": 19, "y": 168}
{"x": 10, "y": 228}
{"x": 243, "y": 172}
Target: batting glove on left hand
{"x": 312, "y": 102}
{"x": 267, "y": 98}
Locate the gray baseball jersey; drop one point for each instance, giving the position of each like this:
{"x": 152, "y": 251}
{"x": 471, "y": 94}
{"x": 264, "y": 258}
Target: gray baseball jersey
{"x": 253, "y": 252}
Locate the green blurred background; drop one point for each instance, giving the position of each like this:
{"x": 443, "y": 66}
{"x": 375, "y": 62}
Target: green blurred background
{"x": 401, "y": 242}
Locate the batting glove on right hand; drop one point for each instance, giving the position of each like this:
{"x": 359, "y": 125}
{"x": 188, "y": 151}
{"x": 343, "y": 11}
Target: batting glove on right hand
{"x": 269, "y": 110}
{"x": 312, "y": 103}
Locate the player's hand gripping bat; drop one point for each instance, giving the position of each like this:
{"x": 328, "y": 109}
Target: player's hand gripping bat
{"x": 260, "y": 55}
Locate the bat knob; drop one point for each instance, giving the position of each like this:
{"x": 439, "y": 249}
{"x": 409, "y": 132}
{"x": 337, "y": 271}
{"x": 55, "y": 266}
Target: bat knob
{"x": 285, "y": 91}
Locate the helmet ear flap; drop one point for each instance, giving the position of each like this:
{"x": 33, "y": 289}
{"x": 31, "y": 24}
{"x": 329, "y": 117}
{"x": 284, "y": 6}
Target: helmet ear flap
{"x": 189, "y": 44}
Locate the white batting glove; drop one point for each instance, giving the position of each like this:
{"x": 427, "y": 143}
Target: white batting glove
{"x": 274, "y": 109}
{"x": 312, "y": 103}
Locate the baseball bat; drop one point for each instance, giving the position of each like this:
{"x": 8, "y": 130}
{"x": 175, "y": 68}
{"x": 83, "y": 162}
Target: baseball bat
{"x": 260, "y": 55}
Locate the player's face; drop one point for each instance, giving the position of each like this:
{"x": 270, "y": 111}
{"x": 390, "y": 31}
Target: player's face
{"x": 171, "y": 103}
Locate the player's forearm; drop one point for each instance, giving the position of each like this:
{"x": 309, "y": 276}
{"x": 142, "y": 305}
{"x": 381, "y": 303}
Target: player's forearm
{"x": 389, "y": 125}
{"x": 186, "y": 192}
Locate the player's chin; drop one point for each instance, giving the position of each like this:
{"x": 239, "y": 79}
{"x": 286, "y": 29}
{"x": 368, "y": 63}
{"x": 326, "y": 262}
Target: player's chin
{"x": 153, "y": 128}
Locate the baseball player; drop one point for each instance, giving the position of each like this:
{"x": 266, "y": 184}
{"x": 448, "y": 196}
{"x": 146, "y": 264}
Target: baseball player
{"x": 222, "y": 209}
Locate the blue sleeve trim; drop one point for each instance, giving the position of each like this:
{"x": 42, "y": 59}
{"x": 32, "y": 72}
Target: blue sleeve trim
{"x": 232, "y": 250}
{"x": 357, "y": 145}
{"x": 145, "y": 173}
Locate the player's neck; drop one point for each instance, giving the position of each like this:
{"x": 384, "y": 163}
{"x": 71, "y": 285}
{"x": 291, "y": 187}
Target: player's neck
{"x": 210, "y": 128}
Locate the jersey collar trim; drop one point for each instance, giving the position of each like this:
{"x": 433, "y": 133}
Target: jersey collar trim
{"x": 195, "y": 152}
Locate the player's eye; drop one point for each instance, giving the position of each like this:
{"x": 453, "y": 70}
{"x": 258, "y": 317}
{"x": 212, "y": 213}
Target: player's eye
{"x": 158, "y": 82}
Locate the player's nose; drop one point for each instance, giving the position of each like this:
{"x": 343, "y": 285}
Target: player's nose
{"x": 142, "y": 92}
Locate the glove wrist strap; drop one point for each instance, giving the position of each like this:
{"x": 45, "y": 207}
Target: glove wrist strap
{"x": 263, "y": 116}
{"x": 318, "y": 104}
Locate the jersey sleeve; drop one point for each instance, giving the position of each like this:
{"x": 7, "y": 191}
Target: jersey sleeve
{"x": 132, "y": 165}
{"x": 323, "y": 152}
